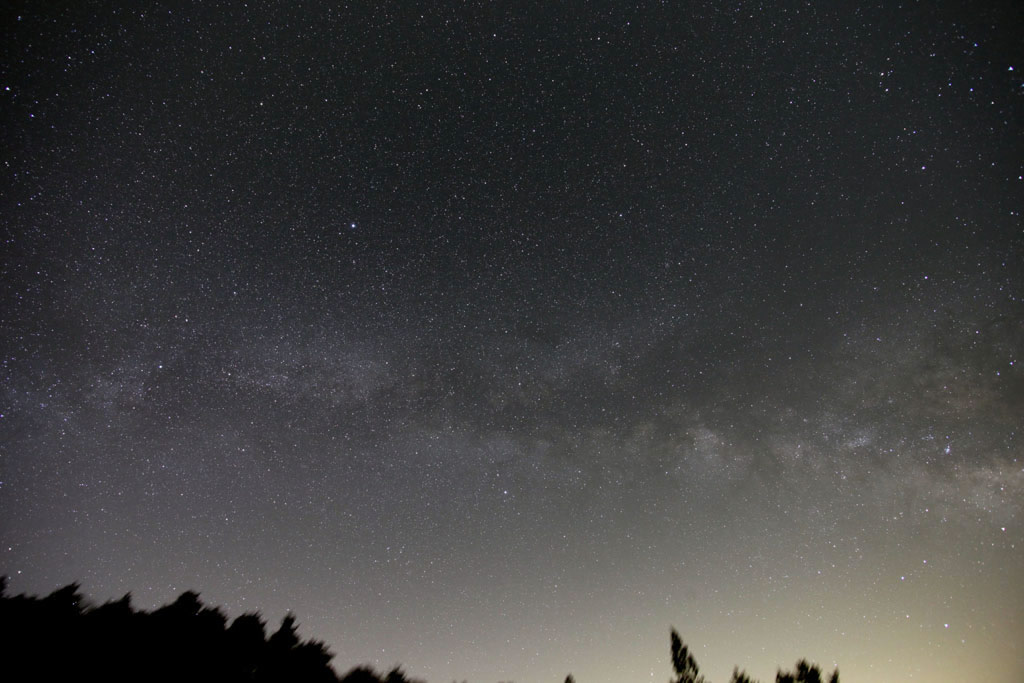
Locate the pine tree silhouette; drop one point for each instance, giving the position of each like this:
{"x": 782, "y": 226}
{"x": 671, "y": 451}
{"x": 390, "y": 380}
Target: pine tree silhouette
{"x": 683, "y": 662}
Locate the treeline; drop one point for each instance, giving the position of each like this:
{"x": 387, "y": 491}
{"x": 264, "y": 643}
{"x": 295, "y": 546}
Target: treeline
{"x": 687, "y": 671}
{"x": 61, "y": 637}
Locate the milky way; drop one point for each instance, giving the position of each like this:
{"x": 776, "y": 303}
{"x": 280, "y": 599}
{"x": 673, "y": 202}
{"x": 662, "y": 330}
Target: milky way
{"x": 497, "y": 340}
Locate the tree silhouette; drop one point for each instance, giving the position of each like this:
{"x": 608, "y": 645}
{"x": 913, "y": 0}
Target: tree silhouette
{"x": 60, "y": 637}
{"x": 360, "y": 674}
{"x": 396, "y": 675}
{"x": 683, "y": 662}
{"x": 686, "y": 670}
{"x": 286, "y": 637}
{"x": 805, "y": 673}
{"x": 740, "y": 677}
{"x": 245, "y": 641}
{"x": 63, "y": 637}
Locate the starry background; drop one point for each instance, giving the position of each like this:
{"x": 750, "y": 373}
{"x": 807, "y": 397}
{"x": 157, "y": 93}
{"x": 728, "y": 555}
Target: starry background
{"x": 494, "y": 339}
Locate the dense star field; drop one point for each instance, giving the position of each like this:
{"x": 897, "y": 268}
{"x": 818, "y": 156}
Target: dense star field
{"x": 495, "y": 339}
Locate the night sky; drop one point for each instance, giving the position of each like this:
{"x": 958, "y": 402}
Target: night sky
{"x": 495, "y": 339}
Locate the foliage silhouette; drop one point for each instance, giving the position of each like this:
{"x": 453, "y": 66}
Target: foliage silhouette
{"x": 62, "y": 637}
{"x": 740, "y": 677}
{"x": 805, "y": 673}
{"x": 396, "y": 675}
{"x": 687, "y": 671}
{"x": 683, "y": 662}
